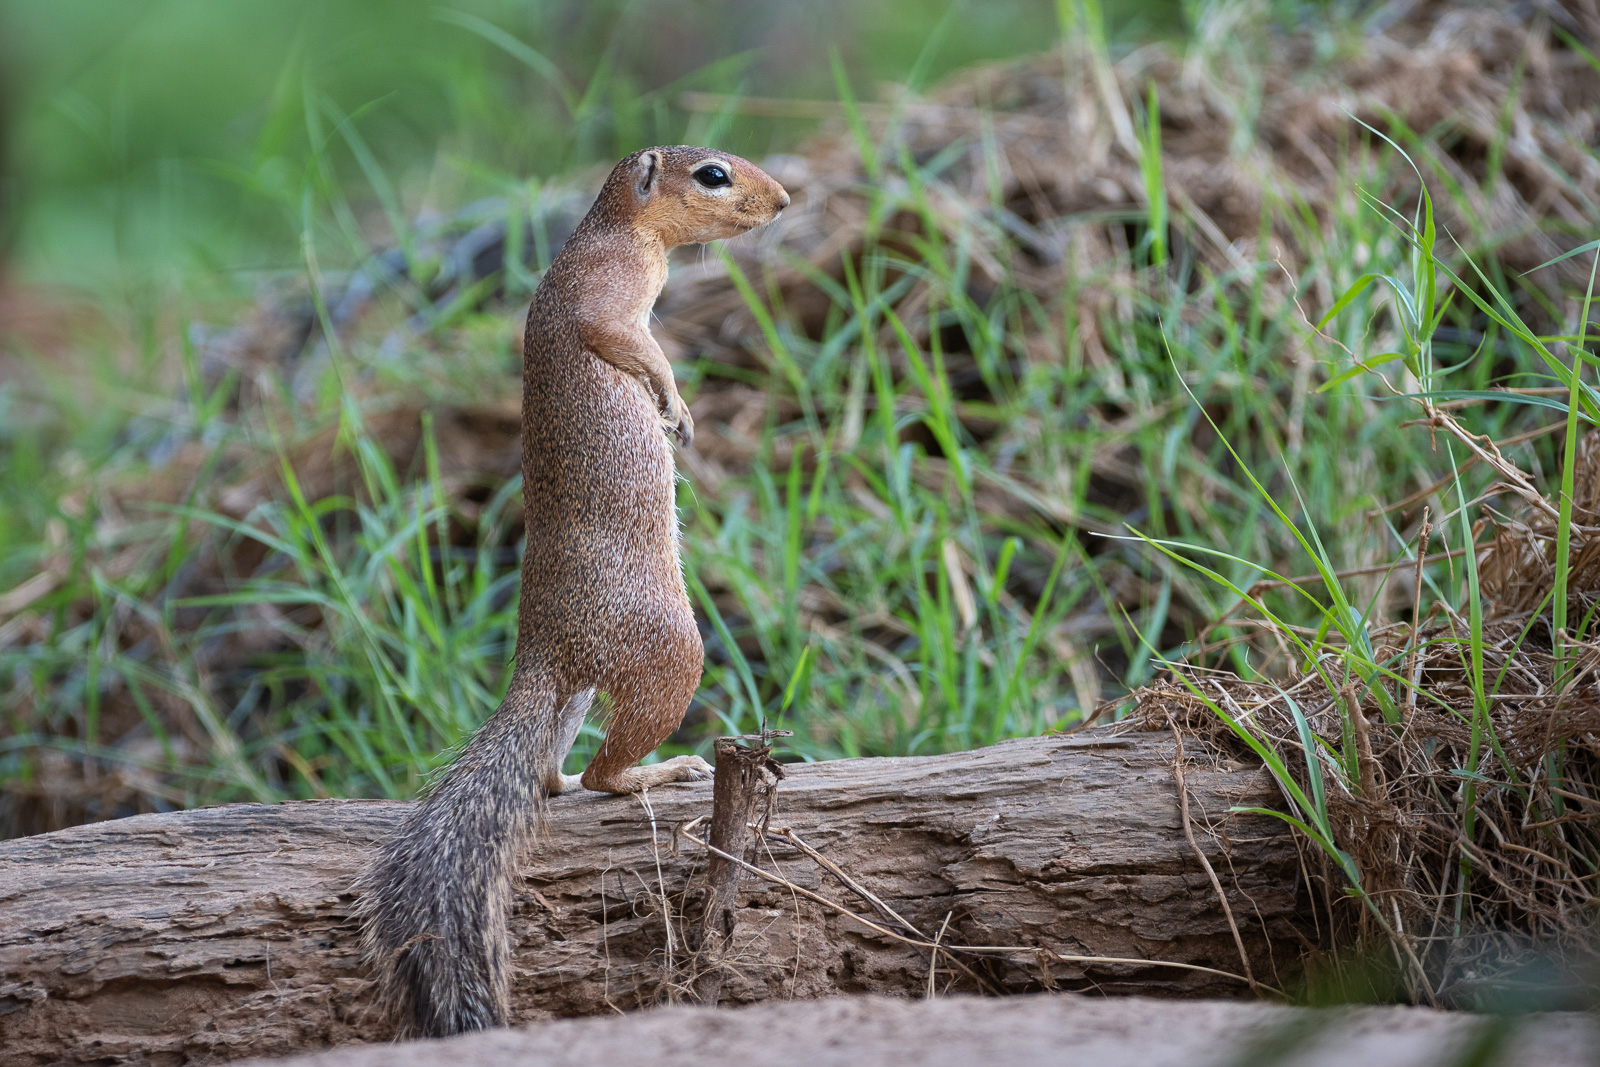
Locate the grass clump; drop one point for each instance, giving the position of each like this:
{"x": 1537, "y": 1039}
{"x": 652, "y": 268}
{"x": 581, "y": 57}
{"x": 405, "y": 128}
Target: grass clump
{"x": 1445, "y": 768}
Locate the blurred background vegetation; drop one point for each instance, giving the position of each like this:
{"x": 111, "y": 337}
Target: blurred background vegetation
{"x": 239, "y": 566}
{"x": 169, "y": 162}
{"x": 167, "y": 140}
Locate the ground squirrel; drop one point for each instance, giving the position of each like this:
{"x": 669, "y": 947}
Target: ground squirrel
{"x": 604, "y": 609}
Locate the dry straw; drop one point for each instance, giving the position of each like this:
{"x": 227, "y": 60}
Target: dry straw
{"x": 1476, "y": 851}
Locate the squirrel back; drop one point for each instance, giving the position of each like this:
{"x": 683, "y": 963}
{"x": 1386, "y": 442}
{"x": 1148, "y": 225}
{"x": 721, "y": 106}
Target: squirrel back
{"x": 603, "y": 613}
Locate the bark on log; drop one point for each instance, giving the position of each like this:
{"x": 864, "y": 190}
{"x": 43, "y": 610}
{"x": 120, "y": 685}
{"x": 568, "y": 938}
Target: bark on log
{"x": 218, "y": 933}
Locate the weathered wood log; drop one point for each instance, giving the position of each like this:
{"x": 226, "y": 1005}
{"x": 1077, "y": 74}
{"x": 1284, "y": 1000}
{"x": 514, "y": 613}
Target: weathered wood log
{"x": 217, "y": 933}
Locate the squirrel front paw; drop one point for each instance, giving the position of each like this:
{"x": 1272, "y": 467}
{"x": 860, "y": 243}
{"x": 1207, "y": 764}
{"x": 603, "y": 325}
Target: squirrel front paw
{"x": 677, "y": 417}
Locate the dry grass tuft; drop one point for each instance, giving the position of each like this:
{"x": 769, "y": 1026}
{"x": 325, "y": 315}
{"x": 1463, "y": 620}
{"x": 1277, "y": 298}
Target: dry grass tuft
{"x": 1473, "y": 838}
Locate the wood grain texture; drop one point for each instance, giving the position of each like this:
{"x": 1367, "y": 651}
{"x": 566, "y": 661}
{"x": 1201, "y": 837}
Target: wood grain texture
{"x": 223, "y": 932}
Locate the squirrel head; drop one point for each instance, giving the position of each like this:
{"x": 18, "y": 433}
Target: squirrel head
{"x": 687, "y": 195}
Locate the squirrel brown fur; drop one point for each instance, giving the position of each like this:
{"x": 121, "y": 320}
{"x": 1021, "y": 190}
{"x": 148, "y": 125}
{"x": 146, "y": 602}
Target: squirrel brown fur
{"x": 603, "y": 607}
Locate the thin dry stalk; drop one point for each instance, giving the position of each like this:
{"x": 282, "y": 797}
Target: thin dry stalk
{"x": 933, "y": 956}
{"x": 1363, "y": 734}
{"x": 1411, "y": 674}
{"x": 1199, "y": 854}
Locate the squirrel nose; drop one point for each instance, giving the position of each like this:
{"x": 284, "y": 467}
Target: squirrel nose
{"x": 783, "y": 199}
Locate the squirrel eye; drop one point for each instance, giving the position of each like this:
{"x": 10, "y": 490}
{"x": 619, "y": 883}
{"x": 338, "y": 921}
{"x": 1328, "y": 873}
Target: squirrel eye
{"x": 712, "y": 176}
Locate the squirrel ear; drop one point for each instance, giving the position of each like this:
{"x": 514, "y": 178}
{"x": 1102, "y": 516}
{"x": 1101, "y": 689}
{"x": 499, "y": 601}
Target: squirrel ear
{"x": 644, "y": 173}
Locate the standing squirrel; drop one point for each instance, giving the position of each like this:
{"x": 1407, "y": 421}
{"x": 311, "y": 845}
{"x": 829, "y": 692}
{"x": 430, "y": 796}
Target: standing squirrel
{"x": 603, "y": 607}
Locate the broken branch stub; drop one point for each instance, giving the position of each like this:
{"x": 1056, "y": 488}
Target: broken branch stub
{"x": 745, "y": 774}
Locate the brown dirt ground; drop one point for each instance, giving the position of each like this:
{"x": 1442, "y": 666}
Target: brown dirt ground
{"x": 1020, "y": 1031}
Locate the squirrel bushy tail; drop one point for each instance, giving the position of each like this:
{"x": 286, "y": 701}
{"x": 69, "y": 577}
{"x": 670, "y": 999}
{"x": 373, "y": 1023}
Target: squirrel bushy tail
{"x": 434, "y": 900}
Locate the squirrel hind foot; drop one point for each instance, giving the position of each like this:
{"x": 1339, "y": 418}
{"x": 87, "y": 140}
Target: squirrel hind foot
{"x": 633, "y": 779}
{"x": 685, "y": 769}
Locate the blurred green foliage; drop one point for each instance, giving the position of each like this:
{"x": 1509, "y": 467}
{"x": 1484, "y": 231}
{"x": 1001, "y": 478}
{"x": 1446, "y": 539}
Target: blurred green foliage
{"x": 174, "y": 135}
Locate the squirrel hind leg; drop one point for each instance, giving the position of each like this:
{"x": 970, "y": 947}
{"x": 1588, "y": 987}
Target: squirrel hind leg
{"x": 645, "y": 709}
{"x": 568, "y": 721}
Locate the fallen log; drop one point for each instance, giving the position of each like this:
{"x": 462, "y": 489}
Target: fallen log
{"x": 217, "y": 933}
